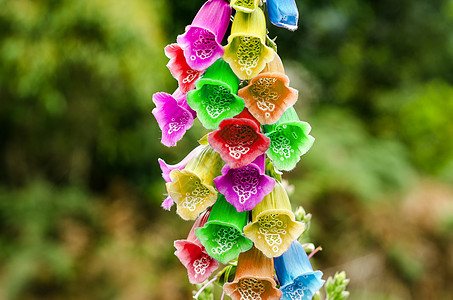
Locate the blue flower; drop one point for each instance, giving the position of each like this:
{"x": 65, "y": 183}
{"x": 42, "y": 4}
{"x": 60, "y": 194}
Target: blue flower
{"x": 297, "y": 279}
{"x": 283, "y": 13}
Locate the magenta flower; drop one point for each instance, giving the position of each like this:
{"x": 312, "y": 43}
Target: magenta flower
{"x": 166, "y": 169}
{"x": 193, "y": 255}
{"x": 181, "y": 71}
{"x": 245, "y": 187}
{"x": 201, "y": 41}
{"x": 173, "y": 115}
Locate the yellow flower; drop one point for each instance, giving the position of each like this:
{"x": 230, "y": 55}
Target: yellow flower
{"x": 246, "y": 6}
{"x": 192, "y": 189}
{"x": 246, "y": 51}
{"x": 273, "y": 226}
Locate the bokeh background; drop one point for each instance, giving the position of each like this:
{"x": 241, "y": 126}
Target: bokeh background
{"x": 80, "y": 189}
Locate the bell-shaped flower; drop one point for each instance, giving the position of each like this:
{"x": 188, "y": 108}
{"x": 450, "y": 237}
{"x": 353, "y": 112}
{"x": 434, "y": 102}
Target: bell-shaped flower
{"x": 273, "y": 226}
{"x": 192, "y": 188}
{"x": 246, "y": 6}
{"x": 215, "y": 98}
{"x": 290, "y": 139}
{"x": 254, "y": 278}
{"x": 239, "y": 141}
{"x": 201, "y": 41}
{"x": 283, "y": 13}
{"x": 222, "y": 234}
{"x": 295, "y": 274}
{"x": 245, "y": 187}
{"x": 166, "y": 169}
{"x": 267, "y": 96}
{"x": 181, "y": 71}
{"x": 246, "y": 51}
{"x": 193, "y": 255}
{"x": 173, "y": 115}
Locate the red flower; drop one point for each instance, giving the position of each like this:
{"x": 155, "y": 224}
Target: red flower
{"x": 238, "y": 141}
{"x": 193, "y": 255}
{"x": 179, "y": 68}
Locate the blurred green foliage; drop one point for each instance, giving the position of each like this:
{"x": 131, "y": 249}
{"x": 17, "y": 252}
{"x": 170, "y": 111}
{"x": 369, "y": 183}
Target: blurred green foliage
{"x": 80, "y": 187}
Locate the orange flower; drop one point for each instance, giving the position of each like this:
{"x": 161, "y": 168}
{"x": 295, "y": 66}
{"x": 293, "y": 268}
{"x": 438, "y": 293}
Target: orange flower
{"x": 273, "y": 226}
{"x": 254, "y": 278}
{"x": 268, "y": 95}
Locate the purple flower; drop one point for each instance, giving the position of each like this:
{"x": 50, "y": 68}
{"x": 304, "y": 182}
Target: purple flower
{"x": 245, "y": 187}
{"x": 201, "y": 41}
{"x": 173, "y": 115}
{"x": 166, "y": 169}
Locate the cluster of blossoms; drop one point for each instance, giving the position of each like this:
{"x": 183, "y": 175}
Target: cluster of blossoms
{"x": 230, "y": 185}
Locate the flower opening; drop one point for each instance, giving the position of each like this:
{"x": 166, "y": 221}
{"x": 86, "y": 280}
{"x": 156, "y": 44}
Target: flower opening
{"x": 254, "y": 279}
{"x": 201, "y": 41}
{"x": 246, "y": 6}
{"x": 192, "y": 188}
{"x": 290, "y": 139}
{"x": 181, "y": 71}
{"x": 283, "y": 13}
{"x": 193, "y": 255}
{"x": 238, "y": 141}
{"x": 273, "y": 226}
{"x": 246, "y": 186}
{"x": 215, "y": 98}
{"x": 268, "y": 95}
{"x": 295, "y": 274}
{"x": 246, "y": 51}
{"x": 222, "y": 233}
{"x": 173, "y": 116}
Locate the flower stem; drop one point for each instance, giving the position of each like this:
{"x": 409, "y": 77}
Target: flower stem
{"x": 205, "y": 286}
{"x": 314, "y": 252}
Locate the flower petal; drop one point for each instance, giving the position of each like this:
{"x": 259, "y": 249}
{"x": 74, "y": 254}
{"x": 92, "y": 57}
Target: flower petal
{"x": 254, "y": 278}
{"x": 245, "y": 187}
{"x": 283, "y": 13}
{"x": 173, "y": 119}
{"x": 222, "y": 234}
{"x": 238, "y": 141}
{"x": 181, "y": 71}
{"x": 201, "y": 41}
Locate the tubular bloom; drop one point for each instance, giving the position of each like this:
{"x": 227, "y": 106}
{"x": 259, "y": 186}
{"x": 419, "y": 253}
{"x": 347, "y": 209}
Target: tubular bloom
{"x": 283, "y": 13}
{"x": 222, "y": 233}
{"x": 245, "y": 187}
{"x": 254, "y": 279}
{"x": 239, "y": 141}
{"x": 215, "y": 98}
{"x": 273, "y": 226}
{"x": 181, "y": 71}
{"x": 268, "y": 95}
{"x": 246, "y": 6}
{"x": 290, "y": 139}
{"x": 295, "y": 274}
{"x": 192, "y": 189}
{"x": 201, "y": 41}
{"x": 193, "y": 255}
{"x": 246, "y": 51}
{"x": 166, "y": 169}
{"x": 173, "y": 115}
